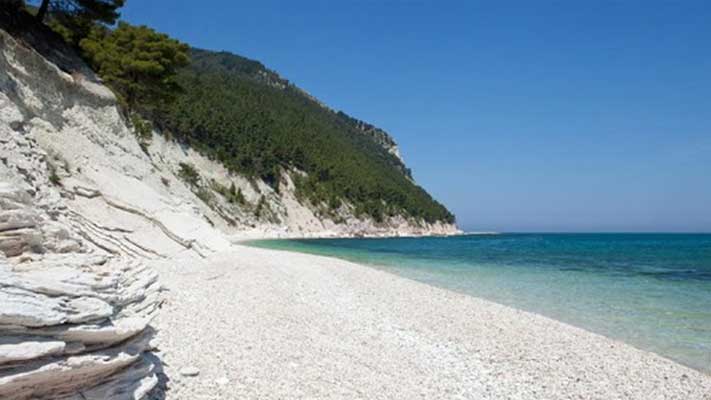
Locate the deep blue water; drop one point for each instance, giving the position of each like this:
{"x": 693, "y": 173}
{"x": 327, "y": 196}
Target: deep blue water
{"x": 650, "y": 290}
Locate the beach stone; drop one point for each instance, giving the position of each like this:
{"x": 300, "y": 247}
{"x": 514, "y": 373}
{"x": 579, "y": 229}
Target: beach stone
{"x": 190, "y": 371}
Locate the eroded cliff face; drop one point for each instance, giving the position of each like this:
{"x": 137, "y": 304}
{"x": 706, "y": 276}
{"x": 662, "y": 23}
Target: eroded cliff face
{"x": 82, "y": 220}
{"x": 282, "y": 214}
{"x": 75, "y": 120}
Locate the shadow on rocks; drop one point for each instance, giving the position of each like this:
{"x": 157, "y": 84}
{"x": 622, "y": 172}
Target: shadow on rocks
{"x": 159, "y": 391}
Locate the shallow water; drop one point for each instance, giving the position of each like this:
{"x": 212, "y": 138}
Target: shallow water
{"x": 650, "y": 290}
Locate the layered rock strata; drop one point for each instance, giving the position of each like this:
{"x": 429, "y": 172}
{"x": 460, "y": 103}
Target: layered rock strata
{"x": 74, "y": 318}
{"x": 72, "y": 324}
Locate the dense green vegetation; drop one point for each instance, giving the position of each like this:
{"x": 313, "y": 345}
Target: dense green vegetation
{"x": 258, "y": 124}
{"x": 236, "y": 111}
{"x": 137, "y": 62}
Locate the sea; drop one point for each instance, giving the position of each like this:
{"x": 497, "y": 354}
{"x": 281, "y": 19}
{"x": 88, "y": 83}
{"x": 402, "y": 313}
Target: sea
{"x": 652, "y": 291}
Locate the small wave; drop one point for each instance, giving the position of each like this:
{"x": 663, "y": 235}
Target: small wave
{"x": 679, "y": 275}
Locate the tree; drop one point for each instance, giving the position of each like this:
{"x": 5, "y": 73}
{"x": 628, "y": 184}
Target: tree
{"x": 138, "y": 63}
{"x": 42, "y": 10}
{"x": 74, "y": 19}
{"x": 93, "y": 10}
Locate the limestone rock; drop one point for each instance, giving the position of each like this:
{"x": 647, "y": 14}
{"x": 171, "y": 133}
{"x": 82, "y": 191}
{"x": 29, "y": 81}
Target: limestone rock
{"x": 83, "y": 214}
{"x": 190, "y": 371}
{"x": 65, "y": 330}
{"x": 28, "y": 349}
{"x": 74, "y": 339}
{"x": 72, "y": 324}
{"x": 222, "y": 381}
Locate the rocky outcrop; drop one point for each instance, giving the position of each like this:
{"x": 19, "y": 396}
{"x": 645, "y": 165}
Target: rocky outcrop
{"x": 22, "y": 229}
{"x": 68, "y": 331}
{"x": 71, "y": 323}
{"x": 74, "y": 318}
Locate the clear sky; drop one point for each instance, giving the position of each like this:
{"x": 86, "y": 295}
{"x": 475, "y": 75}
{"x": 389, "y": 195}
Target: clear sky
{"x": 519, "y": 116}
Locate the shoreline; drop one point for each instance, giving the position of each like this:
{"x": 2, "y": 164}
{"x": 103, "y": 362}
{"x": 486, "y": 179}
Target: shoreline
{"x": 242, "y": 238}
{"x": 281, "y": 234}
{"x": 382, "y": 268}
{"x": 282, "y": 324}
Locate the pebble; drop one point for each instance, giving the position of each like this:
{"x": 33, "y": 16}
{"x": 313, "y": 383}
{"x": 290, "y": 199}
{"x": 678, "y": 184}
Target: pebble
{"x": 189, "y": 371}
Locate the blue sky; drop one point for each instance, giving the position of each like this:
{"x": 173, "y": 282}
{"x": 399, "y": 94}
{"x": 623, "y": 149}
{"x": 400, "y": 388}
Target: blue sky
{"x": 519, "y": 116}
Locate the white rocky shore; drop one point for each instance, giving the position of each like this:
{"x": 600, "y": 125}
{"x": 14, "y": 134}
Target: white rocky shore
{"x": 266, "y": 324}
{"x": 118, "y": 282}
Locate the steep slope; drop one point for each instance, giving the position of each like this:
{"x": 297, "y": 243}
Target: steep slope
{"x": 225, "y": 63}
{"x": 222, "y": 62}
{"x": 262, "y": 155}
{"x": 260, "y": 126}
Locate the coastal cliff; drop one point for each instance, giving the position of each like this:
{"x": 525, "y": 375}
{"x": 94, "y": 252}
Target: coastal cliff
{"x": 288, "y": 201}
{"x": 88, "y": 209}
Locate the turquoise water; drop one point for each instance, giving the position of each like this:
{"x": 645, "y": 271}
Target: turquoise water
{"x": 650, "y": 290}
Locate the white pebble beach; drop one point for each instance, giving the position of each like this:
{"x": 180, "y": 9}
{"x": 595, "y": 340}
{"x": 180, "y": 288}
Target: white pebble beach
{"x": 267, "y": 324}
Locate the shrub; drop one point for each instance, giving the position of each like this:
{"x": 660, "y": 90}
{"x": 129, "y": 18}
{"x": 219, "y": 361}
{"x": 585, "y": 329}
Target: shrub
{"x": 261, "y": 207}
{"x": 143, "y": 129}
{"x": 54, "y": 178}
{"x": 239, "y": 197}
{"x": 189, "y": 174}
{"x": 205, "y": 195}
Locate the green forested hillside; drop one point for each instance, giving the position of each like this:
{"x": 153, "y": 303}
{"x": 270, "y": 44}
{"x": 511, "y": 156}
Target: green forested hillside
{"x": 258, "y": 124}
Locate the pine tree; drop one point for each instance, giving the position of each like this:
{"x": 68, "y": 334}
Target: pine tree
{"x": 74, "y": 19}
{"x": 94, "y": 10}
{"x": 137, "y": 62}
